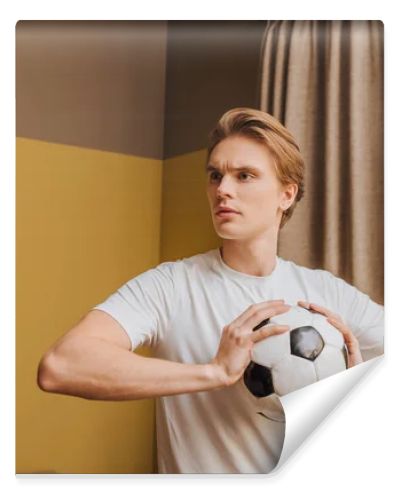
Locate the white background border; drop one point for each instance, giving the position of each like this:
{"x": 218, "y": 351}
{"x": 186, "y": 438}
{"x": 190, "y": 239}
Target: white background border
{"x": 354, "y": 451}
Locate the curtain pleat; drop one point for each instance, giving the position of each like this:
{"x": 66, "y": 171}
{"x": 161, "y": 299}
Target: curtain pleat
{"x": 324, "y": 81}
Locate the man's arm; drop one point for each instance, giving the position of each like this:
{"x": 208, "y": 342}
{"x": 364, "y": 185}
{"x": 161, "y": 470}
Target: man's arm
{"x": 93, "y": 361}
{"x": 363, "y": 316}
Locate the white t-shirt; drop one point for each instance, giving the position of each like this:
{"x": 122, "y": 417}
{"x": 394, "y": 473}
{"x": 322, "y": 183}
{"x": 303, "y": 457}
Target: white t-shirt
{"x": 180, "y": 308}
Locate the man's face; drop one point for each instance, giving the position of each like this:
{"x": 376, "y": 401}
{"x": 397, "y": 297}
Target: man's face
{"x": 253, "y": 190}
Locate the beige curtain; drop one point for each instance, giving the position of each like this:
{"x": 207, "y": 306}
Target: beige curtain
{"x": 324, "y": 81}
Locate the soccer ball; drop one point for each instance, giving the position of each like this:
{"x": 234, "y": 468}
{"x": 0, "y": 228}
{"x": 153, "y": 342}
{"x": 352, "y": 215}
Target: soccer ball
{"x": 312, "y": 350}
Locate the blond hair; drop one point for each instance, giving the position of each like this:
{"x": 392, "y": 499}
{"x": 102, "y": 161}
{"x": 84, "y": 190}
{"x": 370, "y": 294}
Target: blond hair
{"x": 264, "y": 128}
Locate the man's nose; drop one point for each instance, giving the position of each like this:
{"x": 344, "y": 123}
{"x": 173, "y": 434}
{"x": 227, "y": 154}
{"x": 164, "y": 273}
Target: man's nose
{"x": 225, "y": 186}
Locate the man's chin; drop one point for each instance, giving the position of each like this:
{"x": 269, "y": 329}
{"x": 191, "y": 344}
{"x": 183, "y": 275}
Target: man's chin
{"x": 231, "y": 231}
{"x": 228, "y": 233}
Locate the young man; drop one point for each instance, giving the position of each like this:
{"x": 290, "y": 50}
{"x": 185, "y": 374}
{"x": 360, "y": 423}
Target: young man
{"x": 199, "y": 313}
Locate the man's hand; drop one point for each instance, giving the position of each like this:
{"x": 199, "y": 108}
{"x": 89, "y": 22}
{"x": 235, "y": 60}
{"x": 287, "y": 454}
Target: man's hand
{"x": 238, "y": 338}
{"x": 335, "y": 320}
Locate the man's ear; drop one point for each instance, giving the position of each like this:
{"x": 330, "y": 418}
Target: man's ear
{"x": 289, "y": 193}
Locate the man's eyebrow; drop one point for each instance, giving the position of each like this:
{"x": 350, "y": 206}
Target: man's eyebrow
{"x": 210, "y": 168}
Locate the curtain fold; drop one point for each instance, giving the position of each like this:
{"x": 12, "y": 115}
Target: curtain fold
{"x": 324, "y": 81}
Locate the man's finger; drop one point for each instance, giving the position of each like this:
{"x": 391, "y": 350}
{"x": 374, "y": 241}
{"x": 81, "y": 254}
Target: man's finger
{"x": 262, "y": 316}
{"x": 268, "y": 331}
{"x": 344, "y": 330}
{"x": 321, "y": 309}
{"x": 317, "y": 308}
{"x": 251, "y": 310}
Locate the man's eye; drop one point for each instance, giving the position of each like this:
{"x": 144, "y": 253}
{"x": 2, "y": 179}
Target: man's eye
{"x": 240, "y": 174}
{"x": 244, "y": 173}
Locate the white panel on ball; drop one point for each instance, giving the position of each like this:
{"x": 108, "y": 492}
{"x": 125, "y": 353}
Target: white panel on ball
{"x": 328, "y": 332}
{"x": 328, "y": 362}
{"x": 292, "y": 373}
{"x": 271, "y": 352}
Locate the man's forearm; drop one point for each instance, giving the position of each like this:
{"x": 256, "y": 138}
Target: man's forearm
{"x": 94, "y": 369}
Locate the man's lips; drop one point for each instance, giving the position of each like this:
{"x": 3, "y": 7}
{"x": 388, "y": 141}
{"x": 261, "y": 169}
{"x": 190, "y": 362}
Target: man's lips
{"x": 221, "y": 210}
{"x": 226, "y": 213}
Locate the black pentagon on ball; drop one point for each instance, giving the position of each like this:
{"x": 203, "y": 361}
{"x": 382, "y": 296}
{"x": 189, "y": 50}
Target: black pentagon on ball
{"x": 260, "y": 325}
{"x": 306, "y": 342}
{"x": 345, "y": 355}
{"x": 258, "y": 380}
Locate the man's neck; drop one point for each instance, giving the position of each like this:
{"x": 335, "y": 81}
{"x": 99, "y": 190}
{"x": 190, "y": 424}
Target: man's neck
{"x": 255, "y": 259}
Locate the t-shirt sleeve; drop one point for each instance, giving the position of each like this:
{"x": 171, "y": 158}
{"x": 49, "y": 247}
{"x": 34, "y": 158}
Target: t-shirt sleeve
{"x": 363, "y": 316}
{"x": 144, "y": 305}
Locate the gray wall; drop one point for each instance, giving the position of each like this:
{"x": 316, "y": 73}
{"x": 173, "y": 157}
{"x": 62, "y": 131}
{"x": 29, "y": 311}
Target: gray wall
{"x": 147, "y": 88}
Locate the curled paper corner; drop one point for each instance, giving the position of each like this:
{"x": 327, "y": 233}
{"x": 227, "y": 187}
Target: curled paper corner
{"x": 305, "y": 409}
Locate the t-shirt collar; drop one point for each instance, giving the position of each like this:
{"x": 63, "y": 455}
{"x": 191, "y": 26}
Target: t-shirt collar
{"x": 223, "y": 268}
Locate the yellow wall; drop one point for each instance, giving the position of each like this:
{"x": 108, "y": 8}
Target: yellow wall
{"x": 186, "y": 224}
{"x": 87, "y": 221}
